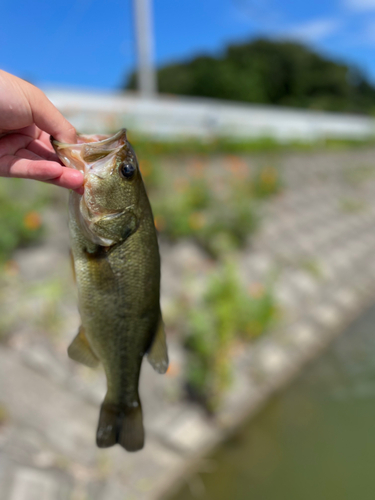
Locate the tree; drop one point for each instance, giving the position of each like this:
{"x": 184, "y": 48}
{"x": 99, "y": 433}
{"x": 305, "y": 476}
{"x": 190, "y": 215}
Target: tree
{"x": 270, "y": 72}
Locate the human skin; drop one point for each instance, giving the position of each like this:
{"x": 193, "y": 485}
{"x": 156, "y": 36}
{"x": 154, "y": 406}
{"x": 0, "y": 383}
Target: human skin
{"x": 27, "y": 119}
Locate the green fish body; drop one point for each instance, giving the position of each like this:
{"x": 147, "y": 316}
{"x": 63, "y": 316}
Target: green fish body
{"x": 117, "y": 268}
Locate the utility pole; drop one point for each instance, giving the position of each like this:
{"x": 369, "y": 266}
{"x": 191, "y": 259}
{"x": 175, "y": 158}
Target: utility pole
{"x": 146, "y": 76}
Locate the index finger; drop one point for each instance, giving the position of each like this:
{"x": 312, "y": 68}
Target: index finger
{"x": 47, "y": 117}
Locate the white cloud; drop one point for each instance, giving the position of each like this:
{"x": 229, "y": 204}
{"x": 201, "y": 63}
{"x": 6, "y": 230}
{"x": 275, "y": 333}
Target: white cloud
{"x": 312, "y": 31}
{"x": 360, "y": 5}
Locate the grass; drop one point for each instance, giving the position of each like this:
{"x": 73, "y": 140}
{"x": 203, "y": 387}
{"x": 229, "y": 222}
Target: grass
{"x": 188, "y": 146}
{"x": 20, "y": 217}
{"x": 226, "y": 315}
{"x": 312, "y": 266}
{"x": 219, "y": 213}
{"x": 352, "y": 205}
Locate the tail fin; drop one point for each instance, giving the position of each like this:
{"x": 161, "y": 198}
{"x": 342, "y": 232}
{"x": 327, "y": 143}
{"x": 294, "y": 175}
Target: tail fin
{"x": 121, "y": 425}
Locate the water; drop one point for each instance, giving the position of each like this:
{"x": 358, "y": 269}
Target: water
{"x": 314, "y": 441}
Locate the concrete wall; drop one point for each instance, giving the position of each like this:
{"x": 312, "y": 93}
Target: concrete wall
{"x": 172, "y": 117}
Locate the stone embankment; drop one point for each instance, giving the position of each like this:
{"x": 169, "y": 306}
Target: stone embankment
{"x": 319, "y": 236}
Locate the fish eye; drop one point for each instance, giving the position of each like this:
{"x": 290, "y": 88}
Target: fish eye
{"x": 127, "y": 170}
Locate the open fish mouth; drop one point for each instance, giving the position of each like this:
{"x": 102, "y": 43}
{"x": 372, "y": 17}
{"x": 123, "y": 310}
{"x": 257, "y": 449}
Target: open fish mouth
{"x": 87, "y": 154}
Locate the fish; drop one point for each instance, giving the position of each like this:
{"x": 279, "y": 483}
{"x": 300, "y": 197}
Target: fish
{"x": 116, "y": 262}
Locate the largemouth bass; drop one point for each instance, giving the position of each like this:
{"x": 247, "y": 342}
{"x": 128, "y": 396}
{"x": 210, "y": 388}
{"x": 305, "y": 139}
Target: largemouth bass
{"x": 117, "y": 268}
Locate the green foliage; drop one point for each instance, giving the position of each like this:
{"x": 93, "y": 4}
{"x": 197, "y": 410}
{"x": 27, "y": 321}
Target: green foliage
{"x": 312, "y": 266}
{"x": 152, "y": 173}
{"x": 228, "y": 226}
{"x": 153, "y": 148}
{"x": 218, "y": 225}
{"x": 220, "y": 220}
{"x": 182, "y": 212}
{"x": 352, "y": 205}
{"x": 20, "y": 221}
{"x": 267, "y": 182}
{"x": 226, "y": 316}
{"x": 270, "y": 72}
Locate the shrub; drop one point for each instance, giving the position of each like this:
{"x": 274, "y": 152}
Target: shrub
{"x": 20, "y": 220}
{"x": 227, "y": 314}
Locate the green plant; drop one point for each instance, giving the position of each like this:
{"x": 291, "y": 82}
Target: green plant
{"x": 227, "y": 314}
{"x": 182, "y": 213}
{"x": 152, "y": 173}
{"x": 266, "y": 182}
{"x": 20, "y": 219}
{"x": 228, "y": 226}
{"x": 352, "y": 205}
{"x": 218, "y": 224}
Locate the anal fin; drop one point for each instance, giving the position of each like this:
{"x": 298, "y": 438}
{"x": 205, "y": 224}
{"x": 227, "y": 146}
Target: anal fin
{"x": 157, "y": 354}
{"x": 80, "y": 350}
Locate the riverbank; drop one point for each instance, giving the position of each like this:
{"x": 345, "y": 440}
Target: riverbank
{"x": 317, "y": 236}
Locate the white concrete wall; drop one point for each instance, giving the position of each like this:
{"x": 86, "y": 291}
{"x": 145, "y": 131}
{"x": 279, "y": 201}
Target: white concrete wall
{"x": 173, "y": 117}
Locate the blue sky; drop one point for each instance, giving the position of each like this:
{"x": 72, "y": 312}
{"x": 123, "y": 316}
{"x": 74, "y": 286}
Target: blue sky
{"x": 90, "y": 43}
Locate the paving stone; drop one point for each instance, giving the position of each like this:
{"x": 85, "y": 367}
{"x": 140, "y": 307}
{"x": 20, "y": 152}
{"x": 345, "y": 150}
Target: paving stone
{"x": 6, "y": 475}
{"x": 303, "y": 334}
{"x": 273, "y": 359}
{"x": 328, "y": 315}
{"x": 304, "y": 283}
{"x": 31, "y": 484}
{"x": 345, "y": 297}
{"x": 189, "y": 429}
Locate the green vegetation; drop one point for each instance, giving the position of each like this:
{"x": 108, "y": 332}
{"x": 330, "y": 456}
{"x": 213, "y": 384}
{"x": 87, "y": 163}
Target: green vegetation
{"x": 312, "y": 266}
{"x": 20, "y": 220}
{"x": 218, "y": 207}
{"x": 352, "y": 205}
{"x": 152, "y": 172}
{"x": 152, "y": 148}
{"x": 220, "y": 220}
{"x": 218, "y": 225}
{"x": 227, "y": 315}
{"x": 270, "y": 72}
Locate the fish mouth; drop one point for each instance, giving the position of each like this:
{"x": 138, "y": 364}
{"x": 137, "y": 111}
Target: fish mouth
{"x": 87, "y": 153}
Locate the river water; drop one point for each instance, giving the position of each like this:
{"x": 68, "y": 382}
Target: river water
{"x": 314, "y": 441}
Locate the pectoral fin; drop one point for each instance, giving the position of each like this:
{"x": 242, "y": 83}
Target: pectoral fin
{"x": 157, "y": 354}
{"x": 80, "y": 350}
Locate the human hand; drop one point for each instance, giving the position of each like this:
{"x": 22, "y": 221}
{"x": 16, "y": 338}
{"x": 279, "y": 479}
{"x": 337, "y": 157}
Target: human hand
{"x": 27, "y": 119}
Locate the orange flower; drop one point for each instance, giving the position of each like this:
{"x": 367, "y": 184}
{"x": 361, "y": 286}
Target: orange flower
{"x": 32, "y": 221}
{"x": 159, "y": 222}
{"x": 237, "y": 166}
{"x": 173, "y": 369}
